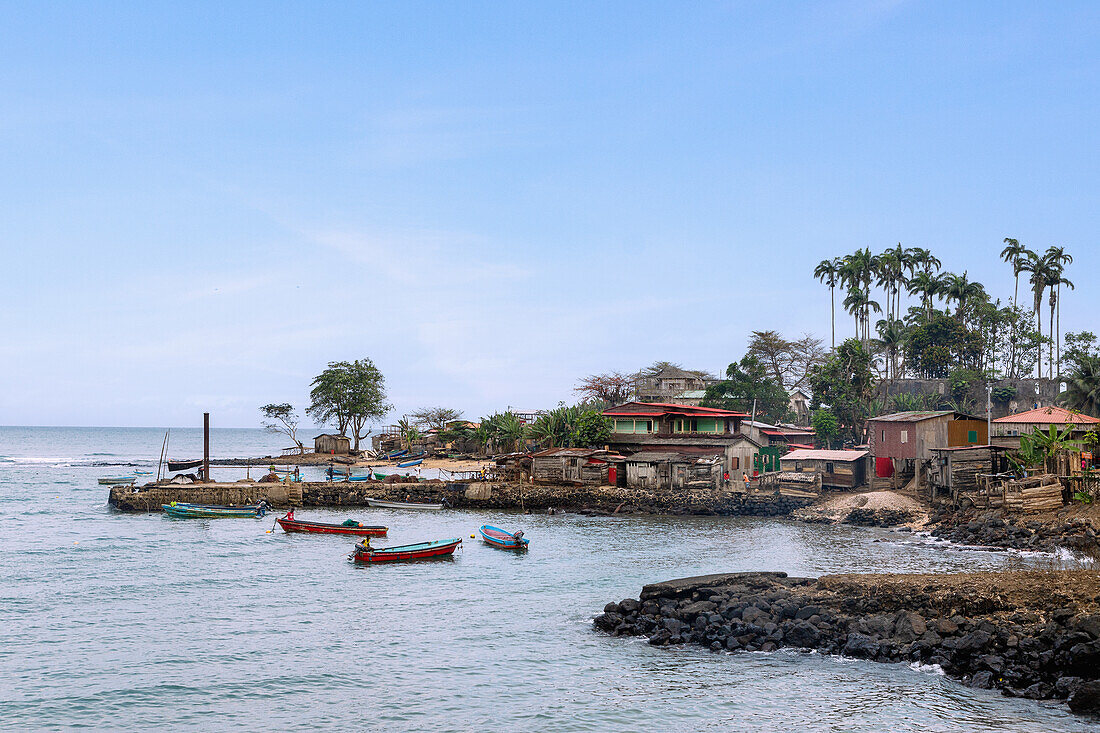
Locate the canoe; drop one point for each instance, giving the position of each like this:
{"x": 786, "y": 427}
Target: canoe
{"x": 410, "y": 464}
{"x": 497, "y": 537}
{"x": 297, "y": 525}
{"x": 117, "y": 480}
{"x": 346, "y": 470}
{"x": 397, "y": 453}
{"x": 182, "y": 510}
{"x": 142, "y": 473}
{"x": 183, "y": 465}
{"x": 380, "y": 504}
{"x": 380, "y": 476}
{"x": 419, "y": 551}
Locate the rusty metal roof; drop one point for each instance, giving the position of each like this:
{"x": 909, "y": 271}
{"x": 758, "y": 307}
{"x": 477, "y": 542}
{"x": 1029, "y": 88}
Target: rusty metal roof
{"x": 1049, "y": 415}
{"x": 824, "y": 455}
{"x": 653, "y": 456}
{"x": 568, "y": 452}
{"x": 911, "y": 416}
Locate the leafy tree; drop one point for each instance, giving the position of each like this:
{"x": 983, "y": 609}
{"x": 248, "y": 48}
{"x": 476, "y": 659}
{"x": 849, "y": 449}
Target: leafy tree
{"x": 1080, "y": 347}
{"x": 746, "y": 381}
{"x": 282, "y": 418}
{"x": 826, "y": 428}
{"x": 786, "y": 361}
{"x": 350, "y": 393}
{"x": 555, "y": 428}
{"x": 593, "y": 429}
{"x": 845, "y": 383}
{"x": 614, "y": 388}
{"x": 436, "y": 417}
{"x": 940, "y": 344}
{"x": 1083, "y": 386}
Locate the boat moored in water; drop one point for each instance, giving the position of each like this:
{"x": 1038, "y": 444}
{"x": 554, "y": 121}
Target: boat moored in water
{"x": 182, "y": 510}
{"x": 382, "y": 504}
{"x": 184, "y": 465}
{"x": 290, "y": 524}
{"x": 498, "y": 537}
{"x": 364, "y": 553}
{"x": 117, "y": 480}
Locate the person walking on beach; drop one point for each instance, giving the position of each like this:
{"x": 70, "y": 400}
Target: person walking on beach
{"x": 745, "y": 478}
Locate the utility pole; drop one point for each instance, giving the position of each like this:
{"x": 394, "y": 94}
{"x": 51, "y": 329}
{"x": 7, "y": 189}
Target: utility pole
{"x": 206, "y": 446}
{"x": 989, "y": 413}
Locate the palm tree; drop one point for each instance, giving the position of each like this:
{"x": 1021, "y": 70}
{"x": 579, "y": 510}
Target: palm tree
{"x": 1058, "y": 259}
{"x": 1015, "y": 254}
{"x": 926, "y": 285}
{"x": 1083, "y": 388}
{"x": 859, "y": 304}
{"x": 856, "y": 272}
{"x": 892, "y": 336}
{"x": 961, "y": 290}
{"x": 1040, "y": 276}
{"x": 828, "y": 272}
{"x": 892, "y": 265}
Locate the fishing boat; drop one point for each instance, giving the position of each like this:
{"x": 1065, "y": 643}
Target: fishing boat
{"x": 182, "y": 510}
{"x": 380, "y": 476}
{"x": 397, "y": 453}
{"x": 290, "y": 524}
{"x": 420, "y": 551}
{"x": 184, "y": 465}
{"x": 345, "y": 471}
{"x": 142, "y": 473}
{"x": 410, "y": 464}
{"x": 117, "y": 480}
{"x": 497, "y": 537}
{"x": 382, "y": 504}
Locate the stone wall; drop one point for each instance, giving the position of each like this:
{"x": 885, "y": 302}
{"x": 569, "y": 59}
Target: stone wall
{"x": 1025, "y": 392}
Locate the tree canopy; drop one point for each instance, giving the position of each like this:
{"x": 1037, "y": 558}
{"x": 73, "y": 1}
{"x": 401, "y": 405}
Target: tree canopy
{"x": 845, "y": 383}
{"x": 746, "y": 381}
{"x": 351, "y": 395}
{"x": 282, "y": 418}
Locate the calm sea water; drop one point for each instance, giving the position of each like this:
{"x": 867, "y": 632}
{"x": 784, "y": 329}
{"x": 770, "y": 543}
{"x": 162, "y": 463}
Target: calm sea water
{"x": 115, "y": 621}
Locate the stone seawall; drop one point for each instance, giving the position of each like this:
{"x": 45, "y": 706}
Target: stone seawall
{"x": 1032, "y": 634}
{"x": 476, "y": 495}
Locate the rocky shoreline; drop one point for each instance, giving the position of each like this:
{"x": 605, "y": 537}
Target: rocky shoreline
{"x": 1033, "y": 634}
{"x": 998, "y": 529}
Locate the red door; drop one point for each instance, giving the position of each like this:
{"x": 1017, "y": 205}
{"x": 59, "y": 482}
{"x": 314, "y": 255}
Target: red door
{"x": 612, "y": 474}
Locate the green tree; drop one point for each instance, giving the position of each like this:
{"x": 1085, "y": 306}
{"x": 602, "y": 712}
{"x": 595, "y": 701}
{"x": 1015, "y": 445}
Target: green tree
{"x": 828, "y": 272}
{"x": 826, "y": 428}
{"x": 746, "y": 381}
{"x": 1083, "y": 386}
{"x": 282, "y": 418}
{"x": 350, "y": 393}
{"x": 846, "y": 384}
{"x": 942, "y": 343}
{"x": 592, "y": 430}
{"x": 555, "y": 428}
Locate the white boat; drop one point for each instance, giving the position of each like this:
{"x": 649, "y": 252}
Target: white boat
{"x": 117, "y": 480}
{"x": 380, "y": 504}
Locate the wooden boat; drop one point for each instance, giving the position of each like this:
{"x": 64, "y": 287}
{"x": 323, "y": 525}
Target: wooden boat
{"x": 142, "y": 473}
{"x": 380, "y": 476}
{"x": 410, "y": 464}
{"x": 360, "y": 530}
{"x": 381, "y": 504}
{"x": 497, "y": 537}
{"x": 182, "y": 510}
{"x": 420, "y": 551}
{"x": 397, "y": 453}
{"x": 183, "y": 465}
{"x": 117, "y": 480}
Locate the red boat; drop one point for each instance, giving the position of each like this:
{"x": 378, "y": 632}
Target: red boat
{"x": 420, "y": 551}
{"x": 290, "y": 524}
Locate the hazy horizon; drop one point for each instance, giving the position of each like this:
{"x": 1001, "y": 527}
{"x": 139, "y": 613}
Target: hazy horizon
{"x": 205, "y": 204}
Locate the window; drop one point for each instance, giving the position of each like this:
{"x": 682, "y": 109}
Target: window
{"x": 904, "y": 436}
{"x": 828, "y": 468}
{"x": 883, "y": 436}
{"x": 972, "y": 436}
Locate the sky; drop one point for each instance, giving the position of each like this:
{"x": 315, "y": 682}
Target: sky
{"x": 202, "y": 204}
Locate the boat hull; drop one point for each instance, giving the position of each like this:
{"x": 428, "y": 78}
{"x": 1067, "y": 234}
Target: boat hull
{"x": 183, "y": 465}
{"x": 501, "y": 539}
{"x": 410, "y": 464}
{"x": 117, "y": 480}
{"x": 295, "y": 525}
{"x": 405, "y": 553}
{"x": 381, "y": 504}
{"x": 177, "y": 510}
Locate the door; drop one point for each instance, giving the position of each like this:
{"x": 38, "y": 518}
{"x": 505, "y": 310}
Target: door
{"x": 613, "y": 475}
{"x": 573, "y": 469}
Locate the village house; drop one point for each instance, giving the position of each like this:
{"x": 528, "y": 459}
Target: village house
{"x": 669, "y": 383}
{"x": 902, "y": 442}
{"x": 1008, "y": 429}
{"x": 339, "y": 445}
{"x": 689, "y": 397}
{"x": 574, "y": 466}
{"x": 963, "y": 468}
{"x": 799, "y": 406}
{"x": 670, "y": 470}
{"x": 685, "y": 429}
{"x": 839, "y": 469}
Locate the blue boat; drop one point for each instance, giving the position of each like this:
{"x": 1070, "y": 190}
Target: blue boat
{"x": 410, "y": 464}
{"x": 397, "y": 453}
{"x": 497, "y": 537}
{"x": 183, "y": 510}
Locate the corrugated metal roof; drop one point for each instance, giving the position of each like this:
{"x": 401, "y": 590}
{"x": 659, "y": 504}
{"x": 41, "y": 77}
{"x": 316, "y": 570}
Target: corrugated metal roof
{"x": 569, "y": 452}
{"x": 1051, "y": 415}
{"x": 911, "y": 416}
{"x": 824, "y": 455}
{"x": 652, "y": 456}
{"x": 653, "y": 409}
{"x": 970, "y": 447}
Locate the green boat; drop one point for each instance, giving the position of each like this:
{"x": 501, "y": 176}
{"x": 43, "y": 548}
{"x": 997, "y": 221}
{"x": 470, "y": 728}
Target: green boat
{"x": 380, "y": 476}
{"x": 181, "y": 510}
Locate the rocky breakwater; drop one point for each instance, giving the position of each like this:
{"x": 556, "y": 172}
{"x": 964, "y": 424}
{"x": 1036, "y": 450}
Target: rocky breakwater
{"x": 1010, "y": 531}
{"x": 1032, "y": 634}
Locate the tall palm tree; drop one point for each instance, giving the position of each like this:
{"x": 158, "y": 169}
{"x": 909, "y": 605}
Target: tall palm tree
{"x": 1040, "y": 276}
{"x": 924, "y": 260}
{"x": 892, "y": 336}
{"x": 1015, "y": 254}
{"x": 926, "y": 285}
{"x": 859, "y": 304}
{"x": 1058, "y": 259}
{"x": 828, "y": 272}
{"x": 891, "y": 268}
{"x": 857, "y": 270}
{"x": 960, "y": 289}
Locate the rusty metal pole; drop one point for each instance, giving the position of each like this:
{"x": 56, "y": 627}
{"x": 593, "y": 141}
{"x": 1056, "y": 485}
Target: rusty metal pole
{"x": 206, "y": 446}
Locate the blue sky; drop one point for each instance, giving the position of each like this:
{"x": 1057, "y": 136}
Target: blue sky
{"x": 203, "y": 204}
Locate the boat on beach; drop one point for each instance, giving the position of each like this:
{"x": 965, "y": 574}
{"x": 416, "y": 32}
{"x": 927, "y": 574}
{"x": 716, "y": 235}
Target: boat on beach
{"x": 364, "y": 553}
{"x": 397, "y": 453}
{"x": 382, "y": 504}
{"x": 117, "y": 480}
{"x": 290, "y": 524}
{"x": 184, "y": 465}
{"x": 410, "y": 464}
{"x": 498, "y": 537}
{"x": 182, "y": 510}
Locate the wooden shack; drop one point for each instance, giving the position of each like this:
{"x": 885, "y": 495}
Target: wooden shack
{"x": 673, "y": 470}
{"x": 339, "y": 445}
{"x": 572, "y": 466}
{"x": 839, "y": 469}
{"x": 963, "y": 468}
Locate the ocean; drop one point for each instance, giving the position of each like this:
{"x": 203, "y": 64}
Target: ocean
{"x": 138, "y": 622}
